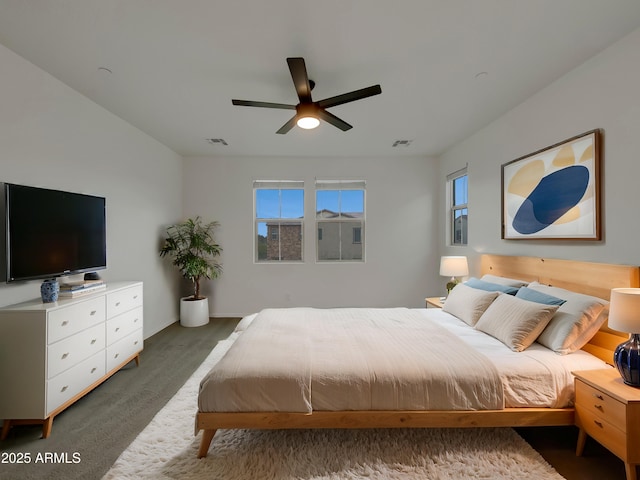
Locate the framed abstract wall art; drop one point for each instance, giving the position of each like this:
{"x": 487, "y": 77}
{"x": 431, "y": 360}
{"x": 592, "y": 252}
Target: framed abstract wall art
{"x": 554, "y": 193}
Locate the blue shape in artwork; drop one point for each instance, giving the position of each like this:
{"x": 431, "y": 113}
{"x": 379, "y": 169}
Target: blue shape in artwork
{"x": 555, "y": 195}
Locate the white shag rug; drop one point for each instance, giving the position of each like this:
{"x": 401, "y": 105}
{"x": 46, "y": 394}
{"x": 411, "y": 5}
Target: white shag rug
{"x": 167, "y": 449}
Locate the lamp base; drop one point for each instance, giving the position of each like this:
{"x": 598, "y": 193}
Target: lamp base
{"x": 452, "y": 283}
{"x": 627, "y": 360}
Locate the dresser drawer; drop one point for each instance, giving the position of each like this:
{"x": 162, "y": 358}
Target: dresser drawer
{"x": 124, "y": 300}
{"x": 122, "y": 325}
{"x": 72, "y": 350}
{"x": 68, "y": 384}
{"x": 601, "y": 404}
{"x": 64, "y": 322}
{"x": 123, "y": 349}
{"x": 604, "y": 432}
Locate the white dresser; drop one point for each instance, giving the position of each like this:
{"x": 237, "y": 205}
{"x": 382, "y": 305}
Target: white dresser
{"x": 51, "y": 354}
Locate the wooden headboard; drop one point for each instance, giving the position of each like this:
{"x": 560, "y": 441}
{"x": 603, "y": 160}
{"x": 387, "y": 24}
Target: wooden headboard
{"x": 596, "y": 279}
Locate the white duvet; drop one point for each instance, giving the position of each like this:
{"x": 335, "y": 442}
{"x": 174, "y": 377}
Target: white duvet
{"x": 304, "y": 359}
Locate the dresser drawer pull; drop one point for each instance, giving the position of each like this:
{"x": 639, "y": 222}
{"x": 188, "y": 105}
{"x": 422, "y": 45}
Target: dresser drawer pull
{"x": 136, "y": 342}
{"x": 94, "y": 341}
{"x": 93, "y": 369}
{"x": 598, "y": 396}
{"x": 599, "y": 407}
{"x": 116, "y": 355}
{"x": 117, "y": 304}
{"x": 135, "y": 320}
{"x": 65, "y": 323}
{"x": 64, "y": 388}
{"x": 135, "y": 297}
{"x": 93, "y": 312}
{"x": 65, "y": 355}
{"x": 598, "y": 423}
{"x": 117, "y": 329}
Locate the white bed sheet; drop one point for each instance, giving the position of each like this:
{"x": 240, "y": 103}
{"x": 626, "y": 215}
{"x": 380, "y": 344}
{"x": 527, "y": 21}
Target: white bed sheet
{"x": 536, "y": 377}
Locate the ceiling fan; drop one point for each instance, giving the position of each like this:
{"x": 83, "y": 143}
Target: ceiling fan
{"x": 309, "y": 113}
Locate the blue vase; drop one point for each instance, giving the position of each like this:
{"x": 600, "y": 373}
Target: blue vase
{"x": 49, "y": 290}
{"x": 627, "y": 359}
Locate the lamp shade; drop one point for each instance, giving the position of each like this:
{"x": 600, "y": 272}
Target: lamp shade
{"x": 454, "y": 266}
{"x": 624, "y": 310}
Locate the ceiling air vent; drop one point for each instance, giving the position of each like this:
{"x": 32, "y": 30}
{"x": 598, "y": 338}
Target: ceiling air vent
{"x": 402, "y": 143}
{"x": 217, "y": 141}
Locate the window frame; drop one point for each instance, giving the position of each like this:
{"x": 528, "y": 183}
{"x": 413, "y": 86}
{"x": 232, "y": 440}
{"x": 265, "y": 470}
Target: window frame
{"x": 278, "y": 185}
{"x": 454, "y": 209}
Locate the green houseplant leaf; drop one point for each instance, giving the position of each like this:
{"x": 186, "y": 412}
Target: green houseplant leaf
{"x": 193, "y": 250}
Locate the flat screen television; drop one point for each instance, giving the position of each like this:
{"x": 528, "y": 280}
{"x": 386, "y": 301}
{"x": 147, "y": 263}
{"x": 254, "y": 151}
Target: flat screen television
{"x": 50, "y": 233}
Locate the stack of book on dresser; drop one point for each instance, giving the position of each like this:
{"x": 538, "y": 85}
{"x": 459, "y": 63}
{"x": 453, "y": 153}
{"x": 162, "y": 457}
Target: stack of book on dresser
{"x": 83, "y": 287}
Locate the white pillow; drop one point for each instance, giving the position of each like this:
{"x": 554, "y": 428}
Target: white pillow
{"x": 467, "y": 303}
{"x": 514, "y": 321}
{"x": 509, "y": 282}
{"x": 575, "y": 322}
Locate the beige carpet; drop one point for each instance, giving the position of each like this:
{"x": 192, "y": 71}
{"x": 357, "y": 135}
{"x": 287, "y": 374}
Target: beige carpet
{"x": 166, "y": 449}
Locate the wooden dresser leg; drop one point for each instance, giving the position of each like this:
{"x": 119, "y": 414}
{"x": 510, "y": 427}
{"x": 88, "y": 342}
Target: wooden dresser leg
{"x": 582, "y": 439}
{"x": 6, "y": 425}
{"x": 137, "y": 359}
{"x": 205, "y": 443}
{"x": 631, "y": 471}
{"x": 47, "y": 425}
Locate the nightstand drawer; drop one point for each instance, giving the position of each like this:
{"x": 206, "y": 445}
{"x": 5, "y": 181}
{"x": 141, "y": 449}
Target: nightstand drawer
{"x": 604, "y": 432}
{"x": 601, "y": 405}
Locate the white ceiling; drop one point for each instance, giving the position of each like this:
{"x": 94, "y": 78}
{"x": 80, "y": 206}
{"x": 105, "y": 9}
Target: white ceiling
{"x": 176, "y": 64}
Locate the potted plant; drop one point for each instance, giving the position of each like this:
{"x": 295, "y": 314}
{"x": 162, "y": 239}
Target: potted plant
{"x": 195, "y": 252}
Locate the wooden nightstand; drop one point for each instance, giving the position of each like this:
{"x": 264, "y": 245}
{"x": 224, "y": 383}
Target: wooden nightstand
{"x": 437, "y": 302}
{"x": 609, "y": 411}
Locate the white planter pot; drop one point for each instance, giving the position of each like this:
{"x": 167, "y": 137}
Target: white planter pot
{"x": 194, "y": 313}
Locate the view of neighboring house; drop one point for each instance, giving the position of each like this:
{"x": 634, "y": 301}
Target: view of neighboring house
{"x": 339, "y": 237}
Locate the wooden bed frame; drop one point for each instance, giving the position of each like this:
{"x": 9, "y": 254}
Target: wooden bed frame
{"x": 595, "y": 279}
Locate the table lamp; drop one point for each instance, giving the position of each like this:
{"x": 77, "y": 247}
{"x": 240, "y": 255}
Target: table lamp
{"x": 454, "y": 266}
{"x": 624, "y": 316}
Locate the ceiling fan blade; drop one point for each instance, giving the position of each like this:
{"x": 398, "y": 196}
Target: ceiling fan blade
{"x": 287, "y": 126}
{"x": 250, "y": 103}
{"x": 333, "y": 120}
{"x": 350, "y": 97}
{"x": 300, "y": 78}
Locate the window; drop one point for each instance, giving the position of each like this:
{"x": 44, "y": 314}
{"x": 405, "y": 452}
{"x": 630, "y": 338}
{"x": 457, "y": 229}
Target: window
{"x": 279, "y": 220}
{"x": 357, "y": 235}
{"x": 458, "y": 193}
{"x": 340, "y": 220}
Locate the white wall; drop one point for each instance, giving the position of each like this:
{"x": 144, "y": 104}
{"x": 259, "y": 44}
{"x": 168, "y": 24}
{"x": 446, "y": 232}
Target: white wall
{"x": 601, "y": 93}
{"x": 401, "y": 239}
{"x": 51, "y": 136}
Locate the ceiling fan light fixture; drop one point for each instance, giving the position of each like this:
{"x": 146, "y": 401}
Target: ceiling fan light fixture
{"x": 307, "y": 116}
{"x": 308, "y": 122}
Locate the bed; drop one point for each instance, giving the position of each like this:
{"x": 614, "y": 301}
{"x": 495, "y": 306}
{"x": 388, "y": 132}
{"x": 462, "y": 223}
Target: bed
{"x": 300, "y": 400}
